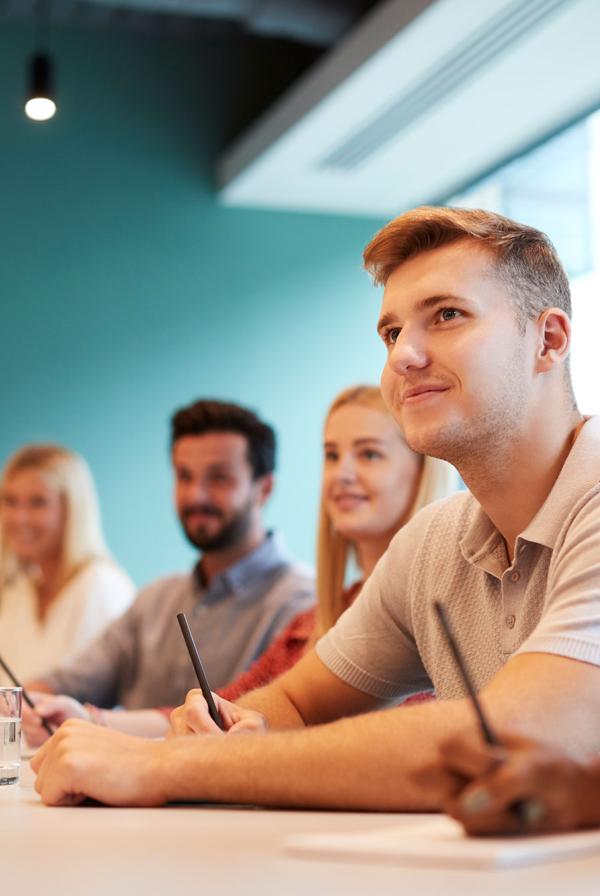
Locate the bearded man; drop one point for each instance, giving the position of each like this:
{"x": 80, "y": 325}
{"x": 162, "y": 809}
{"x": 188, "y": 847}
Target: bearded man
{"x": 242, "y": 592}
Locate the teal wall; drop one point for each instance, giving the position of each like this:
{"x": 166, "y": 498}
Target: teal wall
{"x": 127, "y": 291}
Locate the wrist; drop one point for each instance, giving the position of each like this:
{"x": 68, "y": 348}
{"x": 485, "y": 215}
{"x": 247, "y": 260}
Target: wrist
{"x": 164, "y": 772}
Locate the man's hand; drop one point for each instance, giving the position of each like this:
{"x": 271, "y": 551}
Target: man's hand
{"x": 55, "y": 709}
{"x": 83, "y": 760}
{"x": 485, "y": 784}
{"x": 193, "y": 717}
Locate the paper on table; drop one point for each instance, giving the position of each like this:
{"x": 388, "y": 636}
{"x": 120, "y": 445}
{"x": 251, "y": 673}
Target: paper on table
{"x": 443, "y": 843}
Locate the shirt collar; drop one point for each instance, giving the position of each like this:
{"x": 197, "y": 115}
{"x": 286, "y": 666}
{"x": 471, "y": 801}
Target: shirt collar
{"x": 579, "y": 473}
{"x": 244, "y": 576}
{"x": 481, "y": 545}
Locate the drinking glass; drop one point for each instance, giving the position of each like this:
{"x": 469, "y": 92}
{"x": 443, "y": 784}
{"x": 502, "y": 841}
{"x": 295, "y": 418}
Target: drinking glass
{"x": 10, "y": 735}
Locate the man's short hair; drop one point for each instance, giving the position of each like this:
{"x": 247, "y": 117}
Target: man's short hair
{"x": 523, "y": 258}
{"x": 208, "y": 415}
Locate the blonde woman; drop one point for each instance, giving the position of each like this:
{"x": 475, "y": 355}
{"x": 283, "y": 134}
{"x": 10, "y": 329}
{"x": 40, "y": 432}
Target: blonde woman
{"x": 59, "y": 585}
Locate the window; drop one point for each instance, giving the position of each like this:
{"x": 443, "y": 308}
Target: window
{"x": 556, "y": 187}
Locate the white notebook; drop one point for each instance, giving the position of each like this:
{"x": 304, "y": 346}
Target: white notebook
{"x": 442, "y": 843}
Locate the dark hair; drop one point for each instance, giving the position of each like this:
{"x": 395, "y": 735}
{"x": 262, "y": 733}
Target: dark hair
{"x": 209, "y": 415}
{"x": 524, "y": 258}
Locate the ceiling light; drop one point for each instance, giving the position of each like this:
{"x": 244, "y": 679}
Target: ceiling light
{"x": 40, "y": 105}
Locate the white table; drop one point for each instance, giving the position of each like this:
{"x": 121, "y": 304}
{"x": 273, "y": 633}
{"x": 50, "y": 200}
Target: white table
{"x": 204, "y": 851}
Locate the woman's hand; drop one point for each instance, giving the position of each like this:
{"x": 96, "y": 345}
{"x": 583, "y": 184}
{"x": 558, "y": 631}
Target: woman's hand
{"x": 193, "y": 717}
{"x": 55, "y": 709}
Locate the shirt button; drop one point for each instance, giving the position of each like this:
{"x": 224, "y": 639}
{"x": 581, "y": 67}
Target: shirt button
{"x": 516, "y": 576}
{"x": 510, "y": 621}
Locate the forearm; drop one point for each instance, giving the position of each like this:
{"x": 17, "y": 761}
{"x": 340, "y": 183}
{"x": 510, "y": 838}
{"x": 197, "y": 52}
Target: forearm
{"x": 275, "y": 705}
{"x": 549, "y": 699}
{"x": 308, "y": 694}
{"x": 139, "y": 722}
{"x": 367, "y": 762}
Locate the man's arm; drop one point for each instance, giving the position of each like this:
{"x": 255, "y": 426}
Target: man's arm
{"x": 366, "y": 762}
{"x": 308, "y": 694}
{"x": 55, "y": 709}
{"x": 93, "y": 675}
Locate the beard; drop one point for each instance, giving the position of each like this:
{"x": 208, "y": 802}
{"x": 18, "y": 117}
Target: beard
{"x": 232, "y": 531}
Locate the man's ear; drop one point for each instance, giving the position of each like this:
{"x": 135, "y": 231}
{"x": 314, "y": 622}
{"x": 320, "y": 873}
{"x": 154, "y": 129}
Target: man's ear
{"x": 554, "y": 339}
{"x": 264, "y": 487}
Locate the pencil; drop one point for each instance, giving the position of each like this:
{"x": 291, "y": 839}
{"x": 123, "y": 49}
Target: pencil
{"x": 486, "y": 729}
{"x": 200, "y": 674}
{"x": 26, "y": 696}
{"x": 522, "y": 808}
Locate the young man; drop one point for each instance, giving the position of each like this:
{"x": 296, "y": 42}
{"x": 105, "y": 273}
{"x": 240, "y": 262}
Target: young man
{"x": 241, "y": 593}
{"x": 475, "y": 320}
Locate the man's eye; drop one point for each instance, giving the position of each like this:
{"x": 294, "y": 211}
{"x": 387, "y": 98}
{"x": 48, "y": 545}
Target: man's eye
{"x": 392, "y": 335}
{"x": 449, "y": 313}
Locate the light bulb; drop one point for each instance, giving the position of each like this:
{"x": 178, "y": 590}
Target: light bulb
{"x": 40, "y": 108}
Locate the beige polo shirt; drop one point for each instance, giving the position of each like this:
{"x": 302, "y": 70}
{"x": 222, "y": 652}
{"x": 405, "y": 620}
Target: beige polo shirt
{"x": 389, "y": 643}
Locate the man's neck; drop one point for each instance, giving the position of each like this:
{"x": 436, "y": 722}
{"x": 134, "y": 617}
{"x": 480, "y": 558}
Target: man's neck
{"x": 519, "y": 476}
{"x": 213, "y": 563}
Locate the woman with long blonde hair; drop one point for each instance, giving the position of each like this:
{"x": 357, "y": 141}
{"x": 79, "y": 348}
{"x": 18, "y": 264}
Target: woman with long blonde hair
{"x": 59, "y": 586}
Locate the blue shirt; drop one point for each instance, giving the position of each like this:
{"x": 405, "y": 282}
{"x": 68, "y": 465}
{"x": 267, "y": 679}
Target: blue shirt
{"x": 140, "y": 661}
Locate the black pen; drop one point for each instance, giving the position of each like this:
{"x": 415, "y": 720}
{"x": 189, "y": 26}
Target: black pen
{"x": 521, "y": 808}
{"x": 26, "y": 696}
{"x": 200, "y": 674}
{"x": 486, "y": 729}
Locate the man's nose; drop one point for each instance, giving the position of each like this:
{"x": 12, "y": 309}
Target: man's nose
{"x": 408, "y": 352}
{"x": 196, "y": 491}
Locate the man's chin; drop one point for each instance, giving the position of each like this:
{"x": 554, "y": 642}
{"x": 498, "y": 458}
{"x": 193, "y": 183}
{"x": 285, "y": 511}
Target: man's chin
{"x": 435, "y": 441}
{"x": 202, "y": 537}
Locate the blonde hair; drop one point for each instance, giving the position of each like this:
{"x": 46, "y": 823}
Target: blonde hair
{"x": 69, "y": 474}
{"x": 437, "y": 480}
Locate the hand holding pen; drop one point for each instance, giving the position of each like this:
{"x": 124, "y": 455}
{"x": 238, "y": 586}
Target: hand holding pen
{"x": 469, "y": 760}
{"x": 26, "y": 696}
{"x": 200, "y": 713}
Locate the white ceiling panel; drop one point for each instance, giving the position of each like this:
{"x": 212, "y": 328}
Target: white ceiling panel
{"x": 419, "y": 100}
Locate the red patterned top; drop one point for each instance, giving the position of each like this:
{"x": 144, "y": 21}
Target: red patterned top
{"x": 284, "y": 652}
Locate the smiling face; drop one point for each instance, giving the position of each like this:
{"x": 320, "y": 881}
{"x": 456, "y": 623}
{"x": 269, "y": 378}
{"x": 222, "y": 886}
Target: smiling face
{"x": 33, "y": 516}
{"x": 370, "y": 475}
{"x": 459, "y": 370}
{"x": 215, "y": 494}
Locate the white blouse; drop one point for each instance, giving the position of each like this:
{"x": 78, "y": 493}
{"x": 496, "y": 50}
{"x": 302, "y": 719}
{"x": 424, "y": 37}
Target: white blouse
{"x": 99, "y": 593}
